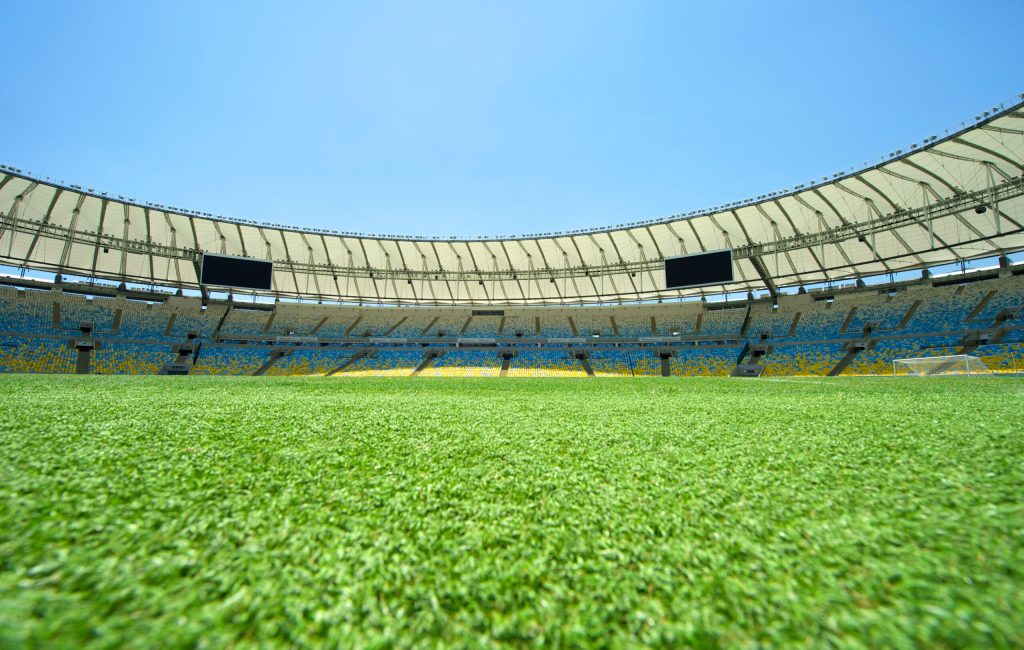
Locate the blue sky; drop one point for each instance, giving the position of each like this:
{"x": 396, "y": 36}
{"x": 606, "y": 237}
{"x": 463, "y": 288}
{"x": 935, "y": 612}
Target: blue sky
{"x": 472, "y": 118}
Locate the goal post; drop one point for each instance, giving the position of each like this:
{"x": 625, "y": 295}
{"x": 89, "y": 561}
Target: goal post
{"x": 956, "y": 364}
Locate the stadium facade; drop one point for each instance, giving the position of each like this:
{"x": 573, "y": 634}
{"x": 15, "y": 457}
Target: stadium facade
{"x": 524, "y": 299}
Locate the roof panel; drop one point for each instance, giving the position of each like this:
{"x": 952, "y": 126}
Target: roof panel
{"x": 878, "y": 205}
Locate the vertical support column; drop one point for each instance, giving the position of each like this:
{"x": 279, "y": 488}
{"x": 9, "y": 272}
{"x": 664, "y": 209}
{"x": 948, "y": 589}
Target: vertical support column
{"x": 348, "y": 276}
{"x": 928, "y": 214}
{"x": 461, "y": 279}
{"x": 777, "y": 237}
{"x": 310, "y": 260}
{"x": 123, "y": 270}
{"x": 72, "y": 229}
{"x": 273, "y": 281}
{"x": 174, "y": 261}
{"x": 993, "y": 198}
{"x": 871, "y": 213}
{"x": 423, "y": 278}
{"x": 822, "y": 229}
{"x": 12, "y": 216}
{"x": 565, "y": 271}
{"x": 529, "y": 266}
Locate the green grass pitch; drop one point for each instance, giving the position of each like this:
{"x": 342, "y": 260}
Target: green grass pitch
{"x": 181, "y": 512}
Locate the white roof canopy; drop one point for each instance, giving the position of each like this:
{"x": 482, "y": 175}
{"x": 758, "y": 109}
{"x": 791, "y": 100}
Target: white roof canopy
{"x": 916, "y": 209}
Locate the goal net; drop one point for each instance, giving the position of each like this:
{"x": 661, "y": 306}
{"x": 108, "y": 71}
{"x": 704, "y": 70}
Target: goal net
{"x": 957, "y": 364}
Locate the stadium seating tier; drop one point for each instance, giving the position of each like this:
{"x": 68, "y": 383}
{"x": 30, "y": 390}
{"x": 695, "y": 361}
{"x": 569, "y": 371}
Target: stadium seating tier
{"x": 805, "y": 335}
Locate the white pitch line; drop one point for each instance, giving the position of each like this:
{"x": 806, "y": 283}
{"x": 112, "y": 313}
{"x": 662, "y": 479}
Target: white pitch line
{"x": 796, "y": 381}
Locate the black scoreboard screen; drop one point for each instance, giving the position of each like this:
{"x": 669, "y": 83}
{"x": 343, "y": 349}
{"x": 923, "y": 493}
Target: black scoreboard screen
{"x": 698, "y": 270}
{"x": 237, "y": 272}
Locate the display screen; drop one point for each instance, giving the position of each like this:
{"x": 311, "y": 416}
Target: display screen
{"x": 238, "y": 272}
{"x": 698, "y": 270}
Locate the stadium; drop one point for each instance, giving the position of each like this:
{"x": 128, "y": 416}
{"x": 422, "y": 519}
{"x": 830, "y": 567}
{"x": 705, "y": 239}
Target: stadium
{"x": 831, "y": 277}
{"x": 789, "y": 420}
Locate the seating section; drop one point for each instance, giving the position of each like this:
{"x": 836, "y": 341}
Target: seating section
{"x": 589, "y": 323}
{"x": 483, "y": 327}
{"x": 1015, "y": 336}
{"x": 465, "y": 363}
{"x": 632, "y": 324}
{"x": 135, "y": 335}
{"x": 416, "y": 322}
{"x": 288, "y": 323}
{"x": 385, "y": 363}
{"x": 143, "y": 321}
{"x": 517, "y": 323}
{"x": 310, "y": 361}
{"x": 246, "y": 322}
{"x": 19, "y": 354}
{"x": 611, "y": 363}
{"x": 763, "y": 318}
{"x": 555, "y": 326}
{"x": 26, "y": 311}
{"x": 704, "y": 361}
{"x": 813, "y": 360}
{"x": 201, "y": 320}
{"x": 376, "y": 322}
{"x": 685, "y": 324}
{"x": 1009, "y": 294}
{"x": 222, "y": 360}
{"x": 336, "y": 326}
{"x": 75, "y": 309}
{"x": 885, "y": 312}
{"x": 130, "y": 358}
{"x": 545, "y": 363}
{"x": 947, "y": 308}
{"x": 822, "y": 322}
{"x": 878, "y": 360}
{"x": 1003, "y": 357}
{"x": 448, "y": 324}
{"x": 725, "y": 323}
{"x": 646, "y": 363}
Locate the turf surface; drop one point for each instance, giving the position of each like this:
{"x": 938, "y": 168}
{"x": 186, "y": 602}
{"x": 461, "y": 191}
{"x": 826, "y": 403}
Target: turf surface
{"x": 162, "y": 511}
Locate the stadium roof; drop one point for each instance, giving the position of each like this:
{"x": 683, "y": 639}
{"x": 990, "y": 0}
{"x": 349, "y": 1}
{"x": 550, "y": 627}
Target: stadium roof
{"x": 944, "y": 200}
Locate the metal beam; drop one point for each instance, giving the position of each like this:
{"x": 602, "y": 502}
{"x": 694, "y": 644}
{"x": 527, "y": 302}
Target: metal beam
{"x": 607, "y": 269}
{"x": 765, "y": 276}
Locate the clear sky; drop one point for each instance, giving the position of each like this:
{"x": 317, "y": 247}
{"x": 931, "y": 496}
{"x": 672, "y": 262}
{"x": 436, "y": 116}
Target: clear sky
{"x": 472, "y": 118}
